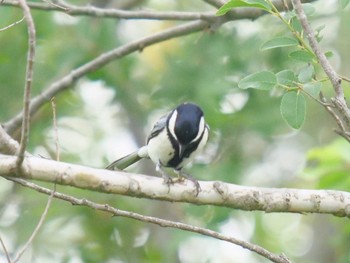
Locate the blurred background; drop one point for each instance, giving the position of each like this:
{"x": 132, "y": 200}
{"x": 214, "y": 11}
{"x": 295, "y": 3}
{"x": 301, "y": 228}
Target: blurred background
{"x": 109, "y": 113}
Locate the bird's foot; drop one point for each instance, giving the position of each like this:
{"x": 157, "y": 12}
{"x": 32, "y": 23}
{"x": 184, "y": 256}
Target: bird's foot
{"x": 167, "y": 179}
{"x": 191, "y": 178}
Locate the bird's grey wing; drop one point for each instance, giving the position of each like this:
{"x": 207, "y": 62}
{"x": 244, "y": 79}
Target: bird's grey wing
{"x": 159, "y": 126}
{"x": 124, "y": 162}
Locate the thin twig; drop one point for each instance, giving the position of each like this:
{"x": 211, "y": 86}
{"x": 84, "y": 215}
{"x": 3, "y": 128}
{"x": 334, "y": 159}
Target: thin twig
{"x": 117, "y": 13}
{"x": 49, "y": 201}
{"x": 37, "y": 228}
{"x": 347, "y": 79}
{"x": 55, "y": 127}
{"x": 55, "y": 5}
{"x": 342, "y": 131}
{"x": 100, "y": 61}
{"x": 5, "y": 250}
{"x": 28, "y": 82}
{"x": 12, "y": 25}
{"x": 154, "y": 220}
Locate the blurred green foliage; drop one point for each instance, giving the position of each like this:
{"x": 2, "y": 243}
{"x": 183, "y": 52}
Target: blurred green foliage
{"x": 250, "y": 143}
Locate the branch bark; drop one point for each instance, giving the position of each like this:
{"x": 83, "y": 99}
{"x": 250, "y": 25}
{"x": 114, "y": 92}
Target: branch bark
{"x": 213, "y": 192}
{"x": 7, "y": 144}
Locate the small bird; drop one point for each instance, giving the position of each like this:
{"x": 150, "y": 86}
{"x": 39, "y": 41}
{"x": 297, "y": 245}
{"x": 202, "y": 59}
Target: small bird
{"x": 173, "y": 142}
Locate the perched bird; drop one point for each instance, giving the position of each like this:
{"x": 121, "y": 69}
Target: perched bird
{"x": 173, "y": 142}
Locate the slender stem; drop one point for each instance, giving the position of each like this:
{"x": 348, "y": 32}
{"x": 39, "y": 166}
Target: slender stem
{"x": 38, "y": 226}
{"x": 5, "y": 250}
{"x": 11, "y": 25}
{"x": 28, "y": 81}
{"x": 296, "y": 34}
{"x": 55, "y": 127}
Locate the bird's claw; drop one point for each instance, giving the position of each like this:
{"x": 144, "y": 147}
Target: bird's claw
{"x": 192, "y": 179}
{"x": 167, "y": 179}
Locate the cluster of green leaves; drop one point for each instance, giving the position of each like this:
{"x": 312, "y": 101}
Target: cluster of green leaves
{"x": 295, "y": 84}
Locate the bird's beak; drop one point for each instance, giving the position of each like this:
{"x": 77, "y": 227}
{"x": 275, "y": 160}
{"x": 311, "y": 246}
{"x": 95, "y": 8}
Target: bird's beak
{"x": 182, "y": 149}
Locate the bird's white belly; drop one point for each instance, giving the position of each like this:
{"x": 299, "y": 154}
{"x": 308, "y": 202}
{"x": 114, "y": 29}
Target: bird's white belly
{"x": 160, "y": 149}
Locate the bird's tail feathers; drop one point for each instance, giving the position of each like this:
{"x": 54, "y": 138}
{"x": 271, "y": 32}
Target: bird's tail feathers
{"x": 128, "y": 160}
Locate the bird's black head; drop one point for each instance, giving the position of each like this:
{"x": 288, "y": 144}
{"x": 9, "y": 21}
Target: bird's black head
{"x": 187, "y": 122}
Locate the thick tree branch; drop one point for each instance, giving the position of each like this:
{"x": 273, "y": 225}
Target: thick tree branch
{"x": 213, "y": 192}
{"x": 153, "y": 220}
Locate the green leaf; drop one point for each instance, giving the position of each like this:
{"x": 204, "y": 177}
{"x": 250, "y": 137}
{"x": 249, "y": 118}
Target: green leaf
{"x": 286, "y": 77}
{"x": 318, "y": 31}
{"x": 279, "y": 42}
{"x": 344, "y": 3}
{"x": 306, "y": 74}
{"x": 293, "y": 109}
{"x": 313, "y": 88}
{"x": 264, "y": 80}
{"x": 296, "y": 24}
{"x": 261, "y": 4}
{"x": 302, "y": 55}
{"x": 328, "y": 54}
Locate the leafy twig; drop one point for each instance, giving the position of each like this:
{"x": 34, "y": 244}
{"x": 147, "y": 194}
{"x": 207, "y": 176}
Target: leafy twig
{"x": 28, "y": 82}
{"x": 333, "y": 76}
{"x": 339, "y": 100}
{"x": 154, "y": 220}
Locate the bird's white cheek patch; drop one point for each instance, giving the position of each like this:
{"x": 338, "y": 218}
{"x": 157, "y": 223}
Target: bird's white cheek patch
{"x": 204, "y": 140}
{"x": 171, "y": 124}
{"x": 200, "y": 129}
{"x": 160, "y": 149}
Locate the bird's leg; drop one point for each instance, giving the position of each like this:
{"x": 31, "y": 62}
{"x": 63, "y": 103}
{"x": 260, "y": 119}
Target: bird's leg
{"x": 191, "y": 178}
{"x": 167, "y": 179}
